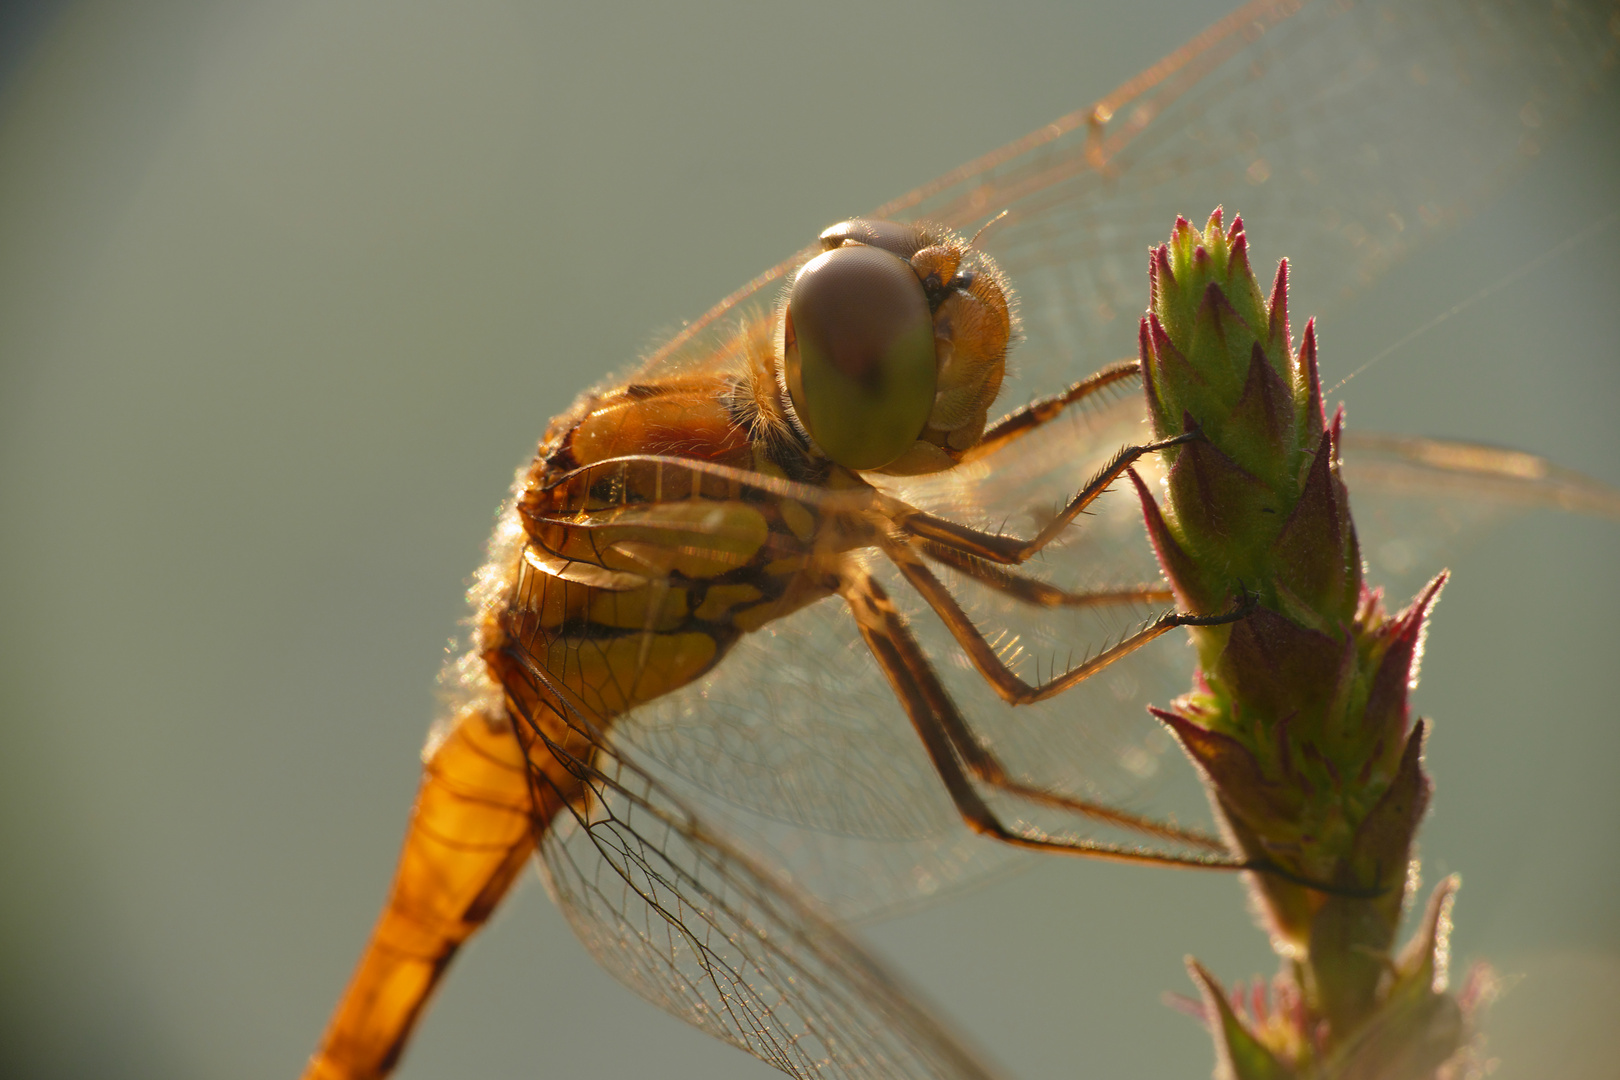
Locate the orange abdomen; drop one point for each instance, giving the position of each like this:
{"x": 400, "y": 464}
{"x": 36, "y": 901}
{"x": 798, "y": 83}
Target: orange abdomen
{"x": 589, "y": 621}
{"x": 472, "y": 829}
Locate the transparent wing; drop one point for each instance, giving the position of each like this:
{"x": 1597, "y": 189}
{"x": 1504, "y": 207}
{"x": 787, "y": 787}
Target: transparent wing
{"x": 1416, "y": 500}
{"x": 1345, "y": 133}
{"x": 702, "y": 930}
{"x": 798, "y": 724}
{"x": 796, "y": 741}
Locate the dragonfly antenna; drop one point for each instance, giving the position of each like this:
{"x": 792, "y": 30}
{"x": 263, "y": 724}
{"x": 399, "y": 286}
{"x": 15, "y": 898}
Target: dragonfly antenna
{"x": 1560, "y": 248}
{"x": 974, "y": 242}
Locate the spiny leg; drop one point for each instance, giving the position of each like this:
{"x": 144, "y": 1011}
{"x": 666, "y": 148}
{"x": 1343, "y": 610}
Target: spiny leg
{"x": 1033, "y": 591}
{"x": 981, "y": 761}
{"x": 1014, "y": 690}
{"x": 1024, "y": 420}
{"x": 950, "y": 744}
{"x": 1010, "y": 549}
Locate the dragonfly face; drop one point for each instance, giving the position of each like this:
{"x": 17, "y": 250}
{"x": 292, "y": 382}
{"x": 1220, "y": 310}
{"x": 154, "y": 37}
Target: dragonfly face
{"x": 686, "y": 548}
{"x": 894, "y": 341}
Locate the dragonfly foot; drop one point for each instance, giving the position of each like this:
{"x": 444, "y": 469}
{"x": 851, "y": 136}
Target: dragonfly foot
{"x": 1247, "y": 602}
{"x": 1350, "y": 892}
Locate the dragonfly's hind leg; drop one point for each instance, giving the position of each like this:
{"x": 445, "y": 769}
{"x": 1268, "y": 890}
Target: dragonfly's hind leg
{"x": 954, "y": 751}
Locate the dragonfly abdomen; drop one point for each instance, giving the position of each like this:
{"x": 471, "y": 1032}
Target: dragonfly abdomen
{"x": 477, "y": 816}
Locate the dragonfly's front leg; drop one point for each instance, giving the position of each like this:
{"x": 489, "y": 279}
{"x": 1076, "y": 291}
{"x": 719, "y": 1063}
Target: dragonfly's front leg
{"x": 955, "y": 752}
{"x": 1024, "y": 420}
{"x": 1010, "y": 550}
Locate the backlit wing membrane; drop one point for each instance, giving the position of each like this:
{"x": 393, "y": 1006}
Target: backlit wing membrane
{"x": 798, "y": 728}
{"x": 702, "y": 930}
{"x": 1416, "y": 499}
{"x": 1346, "y": 133}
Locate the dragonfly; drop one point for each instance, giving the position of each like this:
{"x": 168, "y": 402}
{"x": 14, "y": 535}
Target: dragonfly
{"x": 738, "y": 670}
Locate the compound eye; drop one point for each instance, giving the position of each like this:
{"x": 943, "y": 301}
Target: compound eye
{"x": 893, "y": 237}
{"x": 859, "y": 355}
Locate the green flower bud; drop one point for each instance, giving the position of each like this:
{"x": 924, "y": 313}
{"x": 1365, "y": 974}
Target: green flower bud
{"x": 1299, "y": 722}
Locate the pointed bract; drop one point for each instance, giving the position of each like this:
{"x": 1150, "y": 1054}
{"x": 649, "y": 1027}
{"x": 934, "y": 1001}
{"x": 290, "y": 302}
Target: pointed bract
{"x": 1219, "y": 331}
{"x": 1264, "y": 414}
{"x": 1419, "y": 1029}
{"x": 1214, "y": 494}
{"x": 1387, "y": 708}
{"x": 1383, "y": 841}
{"x": 1185, "y": 579}
{"x": 1310, "y": 554}
{"x": 1170, "y": 380}
{"x": 1277, "y": 334}
{"x": 1242, "y": 289}
{"x": 1312, "y": 419}
{"x": 1231, "y": 769}
{"x": 1241, "y": 1055}
{"x": 1268, "y": 657}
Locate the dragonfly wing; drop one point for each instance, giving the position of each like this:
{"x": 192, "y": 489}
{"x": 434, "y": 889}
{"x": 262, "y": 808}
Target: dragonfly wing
{"x": 798, "y": 742}
{"x": 1416, "y": 500}
{"x": 1493, "y": 476}
{"x": 1095, "y": 741}
{"x": 694, "y": 925}
{"x": 1345, "y": 134}
{"x": 798, "y": 724}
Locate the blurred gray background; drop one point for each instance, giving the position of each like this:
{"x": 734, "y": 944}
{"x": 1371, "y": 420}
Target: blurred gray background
{"x": 287, "y": 289}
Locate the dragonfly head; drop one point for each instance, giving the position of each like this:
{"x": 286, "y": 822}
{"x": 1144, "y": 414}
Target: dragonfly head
{"x": 894, "y": 341}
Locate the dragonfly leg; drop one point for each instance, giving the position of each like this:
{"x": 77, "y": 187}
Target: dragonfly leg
{"x": 1005, "y": 682}
{"x": 1039, "y": 593}
{"x": 954, "y": 751}
{"x": 1024, "y": 420}
{"x": 1007, "y": 550}
{"x": 979, "y": 759}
